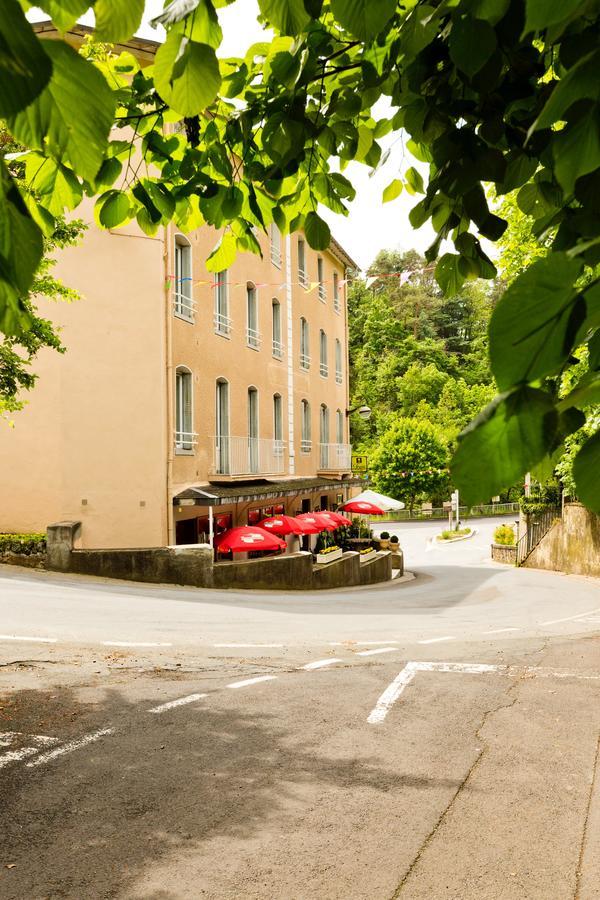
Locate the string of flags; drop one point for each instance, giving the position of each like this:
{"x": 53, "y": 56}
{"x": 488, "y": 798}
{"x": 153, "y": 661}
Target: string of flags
{"x": 431, "y": 471}
{"x": 308, "y": 285}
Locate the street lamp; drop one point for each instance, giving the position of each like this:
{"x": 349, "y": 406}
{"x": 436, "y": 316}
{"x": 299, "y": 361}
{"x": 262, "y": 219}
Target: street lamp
{"x": 363, "y": 411}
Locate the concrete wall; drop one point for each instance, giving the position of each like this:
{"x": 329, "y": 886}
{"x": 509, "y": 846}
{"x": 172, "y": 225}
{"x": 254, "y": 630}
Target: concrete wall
{"x": 572, "y": 545}
{"x": 504, "y": 553}
{"x": 378, "y": 569}
{"x": 293, "y": 572}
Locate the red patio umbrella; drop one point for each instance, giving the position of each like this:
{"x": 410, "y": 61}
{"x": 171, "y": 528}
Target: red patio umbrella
{"x": 246, "y": 538}
{"x": 363, "y": 508}
{"x": 339, "y": 519}
{"x": 319, "y": 521}
{"x": 283, "y": 525}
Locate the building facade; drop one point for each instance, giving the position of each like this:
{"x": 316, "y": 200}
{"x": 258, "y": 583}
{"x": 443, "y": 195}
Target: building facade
{"x": 186, "y": 401}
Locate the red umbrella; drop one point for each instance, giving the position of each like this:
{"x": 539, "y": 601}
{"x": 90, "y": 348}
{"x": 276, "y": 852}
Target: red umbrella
{"x": 363, "y": 507}
{"x": 245, "y": 538}
{"x": 318, "y": 521}
{"x": 339, "y": 519}
{"x": 283, "y": 525}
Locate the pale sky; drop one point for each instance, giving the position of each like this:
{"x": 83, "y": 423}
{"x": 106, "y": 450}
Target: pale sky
{"x": 371, "y": 225}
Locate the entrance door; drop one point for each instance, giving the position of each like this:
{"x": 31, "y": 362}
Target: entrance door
{"x": 186, "y": 532}
{"x": 222, "y": 430}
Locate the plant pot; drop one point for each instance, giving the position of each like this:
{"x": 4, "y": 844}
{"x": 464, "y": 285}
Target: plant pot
{"x": 384, "y": 544}
{"x": 394, "y": 547}
{"x": 323, "y": 558}
{"x": 366, "y": 556}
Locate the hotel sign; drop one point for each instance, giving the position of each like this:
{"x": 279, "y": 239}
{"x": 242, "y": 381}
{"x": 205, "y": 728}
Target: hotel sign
{"x": 359, "y": 464}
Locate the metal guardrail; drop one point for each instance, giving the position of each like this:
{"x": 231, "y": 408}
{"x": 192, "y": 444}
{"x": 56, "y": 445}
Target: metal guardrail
{"x": 438, "y": 512}
{"x": 538, "y": 526}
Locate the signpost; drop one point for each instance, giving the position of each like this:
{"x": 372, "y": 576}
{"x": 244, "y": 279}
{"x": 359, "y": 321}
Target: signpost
{"x": 454, "y": 499}
{"x": 360, "y": 464}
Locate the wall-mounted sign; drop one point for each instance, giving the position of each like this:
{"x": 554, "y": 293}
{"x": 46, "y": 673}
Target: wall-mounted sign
{"x": 359, "y": 463}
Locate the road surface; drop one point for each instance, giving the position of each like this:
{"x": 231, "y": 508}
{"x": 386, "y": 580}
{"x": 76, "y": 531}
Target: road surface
{"x": 433, "y": 738}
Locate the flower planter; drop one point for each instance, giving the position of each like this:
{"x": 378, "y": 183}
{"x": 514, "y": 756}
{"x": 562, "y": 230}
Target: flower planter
{"x": 384, "y": 544}
{"x": 329, "y": 557}
{"x": 365, "y": 556}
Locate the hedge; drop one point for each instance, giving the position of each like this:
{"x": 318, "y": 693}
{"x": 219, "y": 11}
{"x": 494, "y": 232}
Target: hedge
{"x": 26, "y": 544}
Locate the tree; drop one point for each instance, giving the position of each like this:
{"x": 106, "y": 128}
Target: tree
{"x": 411, "y": 461}
{"x": 498, "y": 93}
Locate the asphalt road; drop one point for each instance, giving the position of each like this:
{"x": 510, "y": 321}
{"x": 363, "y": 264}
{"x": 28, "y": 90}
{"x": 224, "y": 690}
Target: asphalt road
{"x": 435, "y": 738}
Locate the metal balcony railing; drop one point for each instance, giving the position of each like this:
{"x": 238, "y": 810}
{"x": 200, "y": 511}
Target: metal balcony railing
{"x": 322, "y": 291}
{"x": 222, "y": 324}
{"x": 248, "y": 456}
{"x": 275, "y": 255}
{"x": 305, "y": 446}
{"x": 324, "y": 370}
{"x": 304, "y": 361}
{"x": 184, "y": 306}
{"x": 338, "y": 377}
{"x": 253, "y": 338}
{"x": 302, "y": 277}
{"x": 185, "y": 440}
{"x": 335, "y": 457}
{"x": 337, "y": 305}
{"x": 277, "y": 349}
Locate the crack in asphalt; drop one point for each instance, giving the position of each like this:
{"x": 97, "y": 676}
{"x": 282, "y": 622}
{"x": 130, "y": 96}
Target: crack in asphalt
{"x": 490, "y": 712}
{"x": 584, "y": 833}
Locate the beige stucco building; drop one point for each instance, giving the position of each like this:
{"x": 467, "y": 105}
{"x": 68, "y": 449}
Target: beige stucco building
{"x": 185, "y": 400}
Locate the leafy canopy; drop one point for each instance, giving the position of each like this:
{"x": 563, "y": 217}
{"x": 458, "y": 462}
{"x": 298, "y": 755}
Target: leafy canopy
{"x": 488, "y": 92}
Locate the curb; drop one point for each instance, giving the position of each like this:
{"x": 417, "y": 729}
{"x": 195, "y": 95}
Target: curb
{"x": 463, "y": 537}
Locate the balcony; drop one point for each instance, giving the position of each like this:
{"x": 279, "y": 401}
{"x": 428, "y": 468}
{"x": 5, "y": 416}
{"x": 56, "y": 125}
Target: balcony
{"x": 304, "y": 361}
{"x": 185, "y": 441}
{"x": 245, "y": 456}
{"x": 338, "y": 376}
{"x": 335, "y": 457}
{"x": 277, "y": 349}
{"x": 222, "y": 324}
{"x": 302, "y": 277}
{"x": 323, "y": 370}
{"x": 336, "y": 304}
{"x": 253, "y": 338}
{"x": 183, "y": 306}
{"x": 275, "y": 255}
{"x": 322, "y": 292}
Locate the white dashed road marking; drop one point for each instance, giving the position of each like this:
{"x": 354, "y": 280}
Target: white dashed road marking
{"x": 590, "y": 612}
{"x": 248, "y": 645}
{"x": 501, "y": 630}
{"x": 10, "y": 737}
{"x": 321, "y": 663}
{"x": 437, "y": 640}
{"x": 379, "y": 650}
{"x": 182, "y": 701}
{"x": 134, "y": 644}
{"x": 22, "y": 637}
{"x": 249, "y": 681}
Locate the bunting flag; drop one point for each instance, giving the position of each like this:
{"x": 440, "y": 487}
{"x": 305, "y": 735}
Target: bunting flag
{"x": 308, "y": 286}
{"x": 431, "y": 471}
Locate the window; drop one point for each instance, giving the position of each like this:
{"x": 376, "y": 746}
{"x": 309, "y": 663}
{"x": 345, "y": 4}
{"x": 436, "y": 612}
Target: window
{"x": 304, "y": 345}
{"x": 305, "y": 443}
{"x": 278, "y": 424}
{"x": 222, "y": 427}
{"x": 302, "y": 263}
{"x": 339, "y": 427}
{"x": 252, "y": 333}
{"x": 320, "y": 279}
{"x": 252, "y": 430}
{"x": 336, "y": 293}
{"x": 222, "y": 320}
{"x": 338, "y": 361}
{"x": 275, "y": 245}
{"x": 324, "y": 436}
{"x": 277, "y": 342}
{"x": 183, "y": 303}
{"x": 184, "y": 426}
{"x": 323, "y": 367}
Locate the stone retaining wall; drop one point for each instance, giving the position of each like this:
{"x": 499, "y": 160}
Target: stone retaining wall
{"x": 505, "y": 553}
{"x": 572, "y": 545}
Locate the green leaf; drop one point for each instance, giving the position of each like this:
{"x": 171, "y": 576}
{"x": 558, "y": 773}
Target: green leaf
{"x": 72, "y": 117}
{"x": 25, "y": 68}
{"x": 186, "y": 74}
{"x": 414, "y": 181}
{"x": 113, "y": 209}
{"x": 223, "y": 255}
{"x": 288, "y": 16}
{"x": 581, "y": 81}
{"x": 21, "y": 248}
{"x": 594, "y": 351}
{"x": 519, "y": 170}
{"x": 490, "y": 10}
{"x": 201, "y": 25}
{"x": 64, "y": 13}
{"x": 317, "y": 232}
{"x": 472, "y": 42}
{"x": 117, "y": 20}
{"x": 393, "y": 190}
{"x": 586, "y": 467}
{"x": 576, "y": 150}
{"x": 585, "y": 393}
{"x": 146, "y": 223}
{"x": 532, "y": 329}
{"x": 506, "y": 440}
{"x": 55, "y": 184}
{"x": 448, "y": 274}
{"x": 161, "y": 198}
{"x": 363, "y": 18}
{"x": 365, "y": 142}
{"x": 541, "y": 14}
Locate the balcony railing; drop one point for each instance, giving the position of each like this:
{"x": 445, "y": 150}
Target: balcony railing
{"x": 222, "y": 324}
{"x": 322, "y": 291}
{"x": 338, "y": 377}
{"x": 336, "y": 304}
{"x": 323, "y": 370}
{"x": 277, "y": 349}
{"x": 302, "y": 277}
{"x": 248, "y": 456}
{"x": 305, "y": 446}
{"x": 335, "y": 457}
{"x": 275, "y": 255}
{"x": 304, "y": 361}
{"x": 183, "y": 306}
{"x": 185, "y": 440}
{"x": 253, "y": 338}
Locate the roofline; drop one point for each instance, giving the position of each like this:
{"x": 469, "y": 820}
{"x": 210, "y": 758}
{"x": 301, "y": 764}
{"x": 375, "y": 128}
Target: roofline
{"x": 45, "y": 25}
{"x": 338, "y": 251}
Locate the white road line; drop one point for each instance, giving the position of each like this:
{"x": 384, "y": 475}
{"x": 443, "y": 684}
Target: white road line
{"x": 182, "y": 701}
{"x": 68, "y": 748}
{"x": 134, "y": 644}
{"x": 21, "y": 637}
{"x": 379, "y": 650}
{"x": 437, "y": 640}
{"x": 16, "y": 755}
{"x": 321, "y": 663}
{"x": 248, "y": 645}
{"x": 393, "y": 691}
{"x": 362, "y": 643}
{"x": 248, "y": 681}
{"x": 500, "y": 630}
{"x": 590, "y": 612}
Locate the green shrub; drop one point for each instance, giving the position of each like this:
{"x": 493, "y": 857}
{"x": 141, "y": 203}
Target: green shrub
{"x": 23, "y": 543}
{"x": 504, "y": 534}
{"x": 384, "y": 536}
{"x": 394, "y": 539}
{"x": 450, "y": 533}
